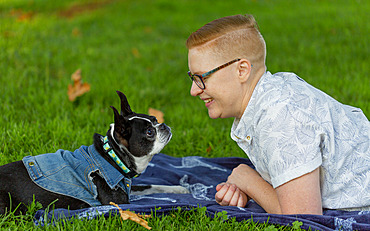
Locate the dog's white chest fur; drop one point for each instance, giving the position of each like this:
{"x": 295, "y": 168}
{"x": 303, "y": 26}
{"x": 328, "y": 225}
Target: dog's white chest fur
{"x": 142, "y": 162}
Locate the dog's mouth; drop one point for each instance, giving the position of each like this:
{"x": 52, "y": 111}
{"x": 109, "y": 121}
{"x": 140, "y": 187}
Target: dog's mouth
{"x": 169, "y": 138}
{"x": 165, "y": 138}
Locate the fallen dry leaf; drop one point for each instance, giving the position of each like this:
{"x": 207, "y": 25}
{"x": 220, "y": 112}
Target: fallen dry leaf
{"x": 76, "y": 76}
{"x": 22, "y": 15}
{"x": 135, "y": 52}
{"x": 76, "y": 32}
{"x": 78, "y": 88}
{"x": 132, "y": 216}
{"x": 157, "y": 114}
{"x": 148, "y": 30}
{"x": 81, "y": 8}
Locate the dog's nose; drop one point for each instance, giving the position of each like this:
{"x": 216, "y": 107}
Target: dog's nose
{"x": 163, "y": 126}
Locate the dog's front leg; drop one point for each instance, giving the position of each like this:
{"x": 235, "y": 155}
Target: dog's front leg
{"x": 106, "y": 194}
{"x": 151, "y": 189}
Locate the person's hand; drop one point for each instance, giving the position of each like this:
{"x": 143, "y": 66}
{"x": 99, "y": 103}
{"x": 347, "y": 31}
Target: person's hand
{"x": 243, "y": 176}
{"x": 230, "y": 195}
{"x": 232, "y": 192}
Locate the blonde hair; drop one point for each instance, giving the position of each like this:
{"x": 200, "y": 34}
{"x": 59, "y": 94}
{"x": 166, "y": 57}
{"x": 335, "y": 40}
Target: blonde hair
{"x": 236, "y": 36}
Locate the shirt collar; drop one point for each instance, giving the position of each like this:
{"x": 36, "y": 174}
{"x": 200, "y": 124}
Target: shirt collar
{"x": 241, "y": 128}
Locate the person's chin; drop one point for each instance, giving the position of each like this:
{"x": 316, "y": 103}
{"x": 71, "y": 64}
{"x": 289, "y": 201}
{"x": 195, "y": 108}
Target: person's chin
{"x": 213, "y": 115}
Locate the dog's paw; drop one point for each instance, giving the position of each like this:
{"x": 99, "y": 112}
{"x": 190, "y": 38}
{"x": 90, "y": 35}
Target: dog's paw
{"x": 180, "y": 190}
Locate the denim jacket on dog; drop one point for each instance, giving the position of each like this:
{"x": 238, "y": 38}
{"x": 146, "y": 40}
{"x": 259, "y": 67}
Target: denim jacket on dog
{"x": 68, "y": 173}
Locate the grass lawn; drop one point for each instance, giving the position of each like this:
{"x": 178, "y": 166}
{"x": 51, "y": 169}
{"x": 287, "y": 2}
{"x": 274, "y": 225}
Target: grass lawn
{"x": 138, "y": 47}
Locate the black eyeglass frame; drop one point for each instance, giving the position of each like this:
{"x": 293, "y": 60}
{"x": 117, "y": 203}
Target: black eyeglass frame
{"x": 198, "y": 79}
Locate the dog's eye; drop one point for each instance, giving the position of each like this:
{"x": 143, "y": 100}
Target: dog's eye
{"x": 150, "y": 132}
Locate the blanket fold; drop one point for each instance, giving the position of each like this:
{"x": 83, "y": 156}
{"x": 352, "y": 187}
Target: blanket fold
{"x": 200, "y": 176}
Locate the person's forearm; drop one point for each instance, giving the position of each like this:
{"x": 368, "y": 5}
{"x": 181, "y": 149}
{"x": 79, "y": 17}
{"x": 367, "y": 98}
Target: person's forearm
{"x": 263, "y": 194}
{"x": 293, "y": 197}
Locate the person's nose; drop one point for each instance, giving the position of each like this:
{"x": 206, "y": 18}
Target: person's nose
{"x": 195, "y": 90}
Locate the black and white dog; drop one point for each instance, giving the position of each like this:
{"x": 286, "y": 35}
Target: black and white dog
{"x": 91, "y": 175}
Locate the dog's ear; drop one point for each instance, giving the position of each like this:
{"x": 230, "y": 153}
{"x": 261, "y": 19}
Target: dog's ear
{"x": 119, "y": 123}
{"x": 117, "y": 117}
{"x": 121, "y": 128}
{"x": 125, "y": 107}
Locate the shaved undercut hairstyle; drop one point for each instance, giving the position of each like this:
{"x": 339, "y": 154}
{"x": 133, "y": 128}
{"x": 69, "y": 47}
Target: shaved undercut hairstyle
{"x": 231, "y": 37}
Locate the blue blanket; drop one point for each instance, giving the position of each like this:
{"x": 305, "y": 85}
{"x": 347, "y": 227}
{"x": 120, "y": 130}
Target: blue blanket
{"x": 201, "y": 175}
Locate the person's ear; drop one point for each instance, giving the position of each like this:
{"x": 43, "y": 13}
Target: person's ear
{"x": 244, "y": 69}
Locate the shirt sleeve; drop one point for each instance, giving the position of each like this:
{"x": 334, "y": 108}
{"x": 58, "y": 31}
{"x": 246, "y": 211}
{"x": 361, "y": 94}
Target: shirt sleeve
{"x": 290, "y": 141}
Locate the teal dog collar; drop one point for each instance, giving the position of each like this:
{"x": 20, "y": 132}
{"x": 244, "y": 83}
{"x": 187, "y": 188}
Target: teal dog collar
{"x": 114, "y": 156}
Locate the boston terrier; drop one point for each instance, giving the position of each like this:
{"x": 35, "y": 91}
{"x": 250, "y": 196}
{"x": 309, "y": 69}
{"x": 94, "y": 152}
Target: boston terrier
{"x": 91, "y": 175}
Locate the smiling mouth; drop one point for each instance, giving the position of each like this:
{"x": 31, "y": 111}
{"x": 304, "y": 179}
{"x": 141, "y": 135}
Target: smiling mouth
{"x": 207, "y": 100}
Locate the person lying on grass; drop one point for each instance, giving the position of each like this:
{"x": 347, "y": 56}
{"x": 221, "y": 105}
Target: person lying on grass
{"x": 309, "y": 151}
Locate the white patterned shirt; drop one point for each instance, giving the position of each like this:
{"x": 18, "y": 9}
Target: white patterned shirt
{"x": 290, "y": 128}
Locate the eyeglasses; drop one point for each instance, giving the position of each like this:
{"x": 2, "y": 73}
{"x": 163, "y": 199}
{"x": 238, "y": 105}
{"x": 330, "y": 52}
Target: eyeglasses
{"x": 198, "y": 79}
